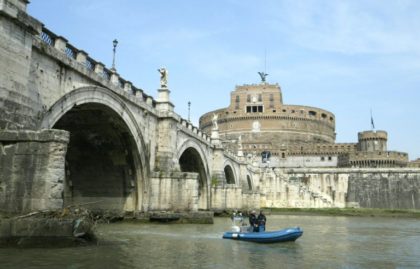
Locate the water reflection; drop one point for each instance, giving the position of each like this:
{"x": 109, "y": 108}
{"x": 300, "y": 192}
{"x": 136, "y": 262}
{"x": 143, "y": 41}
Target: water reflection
{"x": 327, "y": 242}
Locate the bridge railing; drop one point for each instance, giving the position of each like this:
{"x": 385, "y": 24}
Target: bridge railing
{"x": 48, "y": 37}
{"x": 71, "y": 51}
{"x": 109, "y": 75}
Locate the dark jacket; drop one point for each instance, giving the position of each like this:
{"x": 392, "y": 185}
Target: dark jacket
{"x": 261, "y": 219}
{"x": 253, "y": 220}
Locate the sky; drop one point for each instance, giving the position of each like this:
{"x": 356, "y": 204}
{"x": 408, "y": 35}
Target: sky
{"x": 349, "y": 57}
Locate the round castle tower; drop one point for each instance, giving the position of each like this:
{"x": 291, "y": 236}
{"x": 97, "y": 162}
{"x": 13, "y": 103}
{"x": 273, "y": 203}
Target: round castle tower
{"x": 257, "y": 114}
{"x": 372, "y": 152}
{"x": 372, "y": 141}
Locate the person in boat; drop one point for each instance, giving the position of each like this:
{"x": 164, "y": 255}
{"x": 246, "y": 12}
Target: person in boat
{"x": 253, "y": 222}
{"x": 233, "y": 215}
{"x": 261, "y": 219}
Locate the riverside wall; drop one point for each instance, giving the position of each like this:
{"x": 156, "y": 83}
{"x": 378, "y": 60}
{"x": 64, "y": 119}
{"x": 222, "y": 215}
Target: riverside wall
{"x": 393, "y": 188}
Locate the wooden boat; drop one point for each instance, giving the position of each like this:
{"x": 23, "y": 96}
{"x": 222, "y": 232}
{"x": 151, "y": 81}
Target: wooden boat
{"x": 285, "y": 235}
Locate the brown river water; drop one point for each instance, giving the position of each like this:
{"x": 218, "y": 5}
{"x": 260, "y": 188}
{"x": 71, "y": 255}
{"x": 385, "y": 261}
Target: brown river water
{"x": 327, "y": 242}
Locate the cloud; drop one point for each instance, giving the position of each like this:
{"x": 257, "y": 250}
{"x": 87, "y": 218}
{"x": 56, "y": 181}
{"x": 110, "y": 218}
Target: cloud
{"x": 352, "y": 27}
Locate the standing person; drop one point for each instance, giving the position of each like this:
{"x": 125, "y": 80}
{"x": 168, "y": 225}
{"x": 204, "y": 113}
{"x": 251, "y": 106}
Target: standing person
{"x": 261, "y": 221}
{"x": 233, "y": 215}
{"x": 253, "y": 222}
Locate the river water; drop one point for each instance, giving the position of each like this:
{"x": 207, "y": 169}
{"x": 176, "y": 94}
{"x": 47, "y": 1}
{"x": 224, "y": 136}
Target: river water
{"x": 327, "y": 242}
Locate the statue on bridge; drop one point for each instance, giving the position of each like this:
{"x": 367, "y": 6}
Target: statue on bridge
{"x": 163, "y": 77}
{"x": 214, "y": 121}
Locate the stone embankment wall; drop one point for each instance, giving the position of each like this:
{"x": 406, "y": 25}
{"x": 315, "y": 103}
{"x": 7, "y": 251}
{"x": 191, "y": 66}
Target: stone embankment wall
{"x": 32, "y": 169}
{"x": 385, "y": 189}
{"x": 302, "y": 189}
{"x": 394, "y": 188}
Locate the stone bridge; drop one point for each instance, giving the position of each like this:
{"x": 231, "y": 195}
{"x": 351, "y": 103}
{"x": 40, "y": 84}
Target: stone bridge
{"x": 73, "y": 132}
{"x": 121, "y": 148}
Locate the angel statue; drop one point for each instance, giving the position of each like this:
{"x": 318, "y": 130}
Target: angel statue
{"x": 163, "y": 77}
{"x": 263, "y": 75}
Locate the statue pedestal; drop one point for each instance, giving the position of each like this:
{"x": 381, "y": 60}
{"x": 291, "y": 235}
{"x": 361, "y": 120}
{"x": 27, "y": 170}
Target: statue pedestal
{"x": 215, "y": 139}
{"x": 214, "y": 134}
{"x": 162, "y": 102}
{"x": 163, "y": 95}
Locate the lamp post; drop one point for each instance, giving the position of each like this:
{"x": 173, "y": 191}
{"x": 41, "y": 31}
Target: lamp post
{"x": 114, "y": 43}
{"x": 189, "y": 106}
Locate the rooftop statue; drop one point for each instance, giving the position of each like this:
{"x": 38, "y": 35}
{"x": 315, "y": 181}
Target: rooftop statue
{"x": 263, "y": 75}
{"x": 163, "y": 77}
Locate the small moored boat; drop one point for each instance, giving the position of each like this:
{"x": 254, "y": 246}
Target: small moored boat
{"x": 285, "y": 235}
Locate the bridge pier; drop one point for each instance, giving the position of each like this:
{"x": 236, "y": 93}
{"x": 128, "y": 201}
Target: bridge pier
{"x": 32, "y": 175}
{"x": 167, "y": 132}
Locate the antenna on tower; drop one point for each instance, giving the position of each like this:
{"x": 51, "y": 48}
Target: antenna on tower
{"x": 265, "y": 60}
{"x": 189, "y": 109}
{"x": 263, "y": 75}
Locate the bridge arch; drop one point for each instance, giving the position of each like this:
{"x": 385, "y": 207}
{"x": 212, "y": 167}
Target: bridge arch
{"x": 230, "y": 173}
{"x": 192, "y": 158}
{"x": 106, "y": 163}
{"x": 249, "y": 181}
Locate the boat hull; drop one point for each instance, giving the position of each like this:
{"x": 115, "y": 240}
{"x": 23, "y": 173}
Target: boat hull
{"x": 285, "y": 235}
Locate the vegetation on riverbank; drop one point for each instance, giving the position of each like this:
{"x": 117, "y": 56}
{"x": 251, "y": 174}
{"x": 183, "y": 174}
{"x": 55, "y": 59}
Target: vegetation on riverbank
{"x": 352, "y": 212}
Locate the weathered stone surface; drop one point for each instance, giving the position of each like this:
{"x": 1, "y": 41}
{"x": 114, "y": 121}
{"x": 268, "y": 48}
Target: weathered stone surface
{"x": 395, "y": 188}
{"x": 32, "y": 169}
{"x": 385, "y": 190}
{"x": 44, "y": 232}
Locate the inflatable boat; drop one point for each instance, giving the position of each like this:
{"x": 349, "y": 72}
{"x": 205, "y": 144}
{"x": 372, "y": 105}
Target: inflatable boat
{"x": 285, "y": 235}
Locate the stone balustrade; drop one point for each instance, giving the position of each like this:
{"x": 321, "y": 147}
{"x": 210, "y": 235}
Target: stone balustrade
{"x": 61, "y": 44}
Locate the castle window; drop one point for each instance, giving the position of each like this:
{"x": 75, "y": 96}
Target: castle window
{"x": 259, "y": 97}
{"x": 331, "y": 118}
{"x": 323, "y": 115}
{"x": 312, "y": 113}
{"x": 283, "y": 155}
{"x": 254, "y": 109}
{"x": 322, "y": 158}
{"x": 237, "y": 100}
{"x": 248, "y": 98}
{"x": 329, "y": 158}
